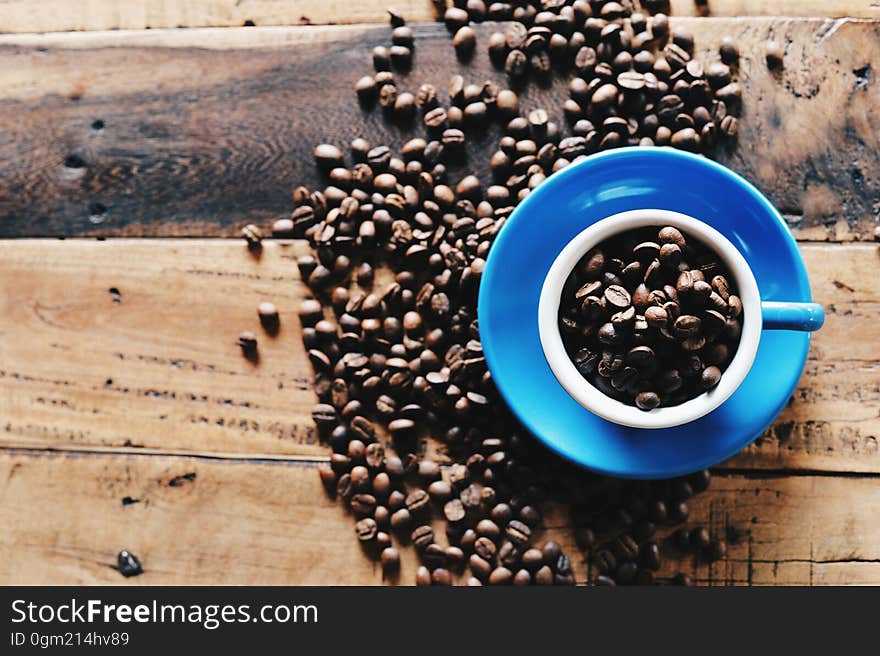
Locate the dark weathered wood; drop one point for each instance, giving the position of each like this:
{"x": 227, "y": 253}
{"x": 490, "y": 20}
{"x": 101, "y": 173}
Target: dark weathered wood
{"x": 204, "y": 130}
{"x": 159, "y": 371}
{"x": 65, "y": 517}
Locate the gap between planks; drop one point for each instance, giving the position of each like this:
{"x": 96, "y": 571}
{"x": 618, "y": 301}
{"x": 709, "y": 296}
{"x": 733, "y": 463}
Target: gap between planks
{"x": 12, "y": 449}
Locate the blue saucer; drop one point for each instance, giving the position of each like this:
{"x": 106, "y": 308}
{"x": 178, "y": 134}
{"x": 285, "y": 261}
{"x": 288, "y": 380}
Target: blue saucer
{"x": 568, "y": 202}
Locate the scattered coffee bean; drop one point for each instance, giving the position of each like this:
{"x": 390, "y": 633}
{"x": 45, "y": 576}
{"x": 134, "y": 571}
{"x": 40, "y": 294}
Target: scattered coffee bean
{"x": 268, "y": 314}
{"x": 682, "y": 579}
{"x": 128, "y": 564}
{"x": 390, "y": 560}
{"x": 699, "y": 538}
{"x": 717, "y": 549}
{"x": 501, "y": 576}
{"x": 328, "y": 156}
{"x": 423, "y": 576}
{"x": 247, "y": 342}
{"x": 253, "y": 236}
{"x": 464, "y": 41}
{"x": 366, "y": 529}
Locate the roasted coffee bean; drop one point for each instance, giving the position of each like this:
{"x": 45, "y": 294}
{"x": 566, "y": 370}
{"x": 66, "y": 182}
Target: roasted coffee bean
{"x": 366, "y": 529}
{"x": 422, "y": 536}
{"x": 682, "y": 539}
{"x": 247, "y": 342}
{"x": 128, "y": 564}
{"x": 497, "y": 46}
{"x": 417, "y": 501}
{"x": 773, "y": 55}
{"x": 710, "y": 377}
{"x": 485, "y": 548}
{"x": 653, "y": 299}
{"x": 366, "y": 90}
{"x": 625, "y": 547}
{"x": 649, "y": 556}
{"x": 381, "y": 58}
{"x": 455, "y": 18}
{"x": 454, "y": 556}
{"x": 626, "y": 573}
{"x": 551, "y": 550}
{"x": 647, "y": 400}
{"x": 522, "y": 577}
{"x": 489, "y": 529}
{"x": 363, "y": 504}
{"x": 682, "y": 579}
{"x": 700, "y": 480}
{"x": 328, "y": 476}
{"x": 440, "y": 491}
{"x": 544, "y": 576}
{"x": 325, "y": 418}
{"x": 518, "y": 532}
{"x": 728, "y": 51}
{"x": 479, "y": 567}
{"x": 679, "y": 511}
{"x": 717, "y": 549}
{"x": 516, "y": 64}
{"x": 454, "y": 511}
{"x": 390, "y": 558}
{"x": 699, "y": 538}
{"x": 464, "y": 41}
{"x": 441, "y": 576}
{"x": 423, "y": 576}
{"x": 268, "y": 315}
{"x": 400, "y": 519}
{"x": 471, "y": 497}
{"x": 501, "y": 576}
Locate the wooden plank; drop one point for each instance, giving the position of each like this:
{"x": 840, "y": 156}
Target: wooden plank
{"x": 160, "y": 370}
{"x": 193, "y": 132}
{"x": 240, "y": 522}
{"x": 155, "y": 366}
{"x": 833, "y": 417}
{"x": 61, "y": 15}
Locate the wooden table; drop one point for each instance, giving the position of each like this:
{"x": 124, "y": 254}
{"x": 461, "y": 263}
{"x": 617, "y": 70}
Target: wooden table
{"x": 129, "y": 419}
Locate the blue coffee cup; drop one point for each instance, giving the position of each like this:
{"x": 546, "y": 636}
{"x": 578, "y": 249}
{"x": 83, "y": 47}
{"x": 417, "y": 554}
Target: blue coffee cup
{"x": 609, "y": 187}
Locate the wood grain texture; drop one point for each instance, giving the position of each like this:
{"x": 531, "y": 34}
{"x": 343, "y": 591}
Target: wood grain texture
{"x": 152, "y": 364}
{"x": 248, "y": 522}
{"x": 159, "y": 371}
{"x": 191, "y": 132}
{"x": 63, "y": 15}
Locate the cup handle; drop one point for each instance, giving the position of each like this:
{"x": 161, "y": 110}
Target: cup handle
{"x": 780, "y": 315}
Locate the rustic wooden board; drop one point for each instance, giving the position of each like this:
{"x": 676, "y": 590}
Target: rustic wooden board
{"x": 206, "y": 129}
{"x": 63, "y": 15}
{"x": 248, "y": 522}
{"x": 156, "y": 365}
{"x": 160, "y": 371}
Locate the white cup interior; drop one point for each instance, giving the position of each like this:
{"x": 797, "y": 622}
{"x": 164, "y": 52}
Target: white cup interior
{"x": 591, "y": 397}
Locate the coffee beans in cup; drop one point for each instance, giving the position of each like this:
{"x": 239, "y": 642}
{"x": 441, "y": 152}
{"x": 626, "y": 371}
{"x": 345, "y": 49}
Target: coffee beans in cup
{"x": 651, "y": 317}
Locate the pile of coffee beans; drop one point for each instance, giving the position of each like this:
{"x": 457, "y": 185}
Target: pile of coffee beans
{"x": 651, "y": 317}
{"x": 399, "y": 243}
{"x": 634, "y": 80}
